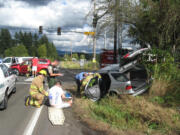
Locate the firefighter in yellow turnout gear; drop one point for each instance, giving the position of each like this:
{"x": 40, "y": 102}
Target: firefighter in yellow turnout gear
{"x": 37, "y": 92}
{"x": 88, "y": 78}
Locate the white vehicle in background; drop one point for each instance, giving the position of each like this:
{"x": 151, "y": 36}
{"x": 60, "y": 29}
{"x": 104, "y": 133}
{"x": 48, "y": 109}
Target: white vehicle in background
{"x": 8, "y": 61}
{"x": 1, "y": 60}
{"x": 7, "y": 85}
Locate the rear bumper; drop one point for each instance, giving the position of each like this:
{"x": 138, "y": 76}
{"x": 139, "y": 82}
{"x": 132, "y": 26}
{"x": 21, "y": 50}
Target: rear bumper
{"x": 143, "y": 88}
{"x": 139, "y": 92}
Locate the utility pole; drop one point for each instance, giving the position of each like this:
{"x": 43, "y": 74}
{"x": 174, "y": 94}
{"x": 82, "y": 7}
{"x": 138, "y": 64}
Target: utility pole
{"x": 120, "y": 29}
{"x": 94, "y": 37}
{"x": 120, "y": 40}
{"x": 71, "y": 49}
{"x": 105, "y": 40}
{"x": 115, "y": 30}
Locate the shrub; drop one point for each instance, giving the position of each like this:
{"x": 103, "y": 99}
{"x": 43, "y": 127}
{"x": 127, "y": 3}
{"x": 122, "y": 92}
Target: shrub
{"x": 164, "y": 68}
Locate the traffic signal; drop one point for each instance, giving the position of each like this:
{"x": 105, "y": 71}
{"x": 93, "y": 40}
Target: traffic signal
{"x": 40, "y": 29}
{"x": 59, "y": 30}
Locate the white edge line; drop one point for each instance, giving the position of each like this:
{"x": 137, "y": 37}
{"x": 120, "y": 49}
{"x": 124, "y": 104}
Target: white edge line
{"x": 32, "y": 123}
{"x": 23, "y": 83}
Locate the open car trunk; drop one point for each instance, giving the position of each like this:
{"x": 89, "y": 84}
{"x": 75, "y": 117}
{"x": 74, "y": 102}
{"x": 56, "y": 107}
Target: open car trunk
{"x": 139, "y": 79}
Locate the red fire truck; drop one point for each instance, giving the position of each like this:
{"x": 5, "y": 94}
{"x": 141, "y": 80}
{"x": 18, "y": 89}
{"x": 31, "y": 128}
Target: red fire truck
{"x": 107, "y": 56}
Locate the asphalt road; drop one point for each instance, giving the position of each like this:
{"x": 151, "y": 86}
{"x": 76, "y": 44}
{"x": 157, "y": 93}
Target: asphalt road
{"x": 14, "y": 119}
{"x": 18, "y": 119}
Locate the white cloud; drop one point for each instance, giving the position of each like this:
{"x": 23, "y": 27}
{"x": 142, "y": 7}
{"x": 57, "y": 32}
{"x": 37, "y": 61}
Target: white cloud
{"x": 55, "y": 13}
{"x": 68, "y": 14}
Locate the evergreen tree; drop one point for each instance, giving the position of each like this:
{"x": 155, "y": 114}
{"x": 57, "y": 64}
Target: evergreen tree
{"x": 17, "y": 51}
{"x": 52, "y": 53}
{"x": 157, "y": 24}
{"x": 82, "y": 56}
{"x": 43, "y": 40}
{"x": 27, "y": 42}
{"x": 5, "y": 40}
{"x": 75, "y": 55}
{"x": 42, "y": 51}
{"x": 35, "y": 40}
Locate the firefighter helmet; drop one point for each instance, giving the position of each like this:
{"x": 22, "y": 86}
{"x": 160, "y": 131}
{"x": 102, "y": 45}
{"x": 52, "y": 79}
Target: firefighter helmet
{"x": 43, "y": 72}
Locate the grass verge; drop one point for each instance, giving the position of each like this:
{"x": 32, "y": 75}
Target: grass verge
{"x": 75, "y": 65}
{"x": 128, "y": 115}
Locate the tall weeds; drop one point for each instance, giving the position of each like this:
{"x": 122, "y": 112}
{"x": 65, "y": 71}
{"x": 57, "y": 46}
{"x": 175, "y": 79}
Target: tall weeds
{"x": 166, "y": 76}
{"x": 164, "y": 68}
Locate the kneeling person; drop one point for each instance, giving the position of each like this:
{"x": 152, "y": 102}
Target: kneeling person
{"x": 37, "y": 92}
{"x": 56, "y": 96}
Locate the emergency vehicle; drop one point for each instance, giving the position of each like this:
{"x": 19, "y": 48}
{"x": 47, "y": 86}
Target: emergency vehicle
{"x": 8, "y": 61}
{"x": 23, "y": 67}
{"x": 107, "y": 56}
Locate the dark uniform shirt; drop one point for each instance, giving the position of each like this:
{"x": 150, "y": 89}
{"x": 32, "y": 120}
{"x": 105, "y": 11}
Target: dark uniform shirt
{"x": 50, "y": 79}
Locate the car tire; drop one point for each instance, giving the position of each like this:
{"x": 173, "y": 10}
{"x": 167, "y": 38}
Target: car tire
{"x": 14, "y": 90}
{"x": 5, "y": 102}
{"x": 16, "y": 71}
{"x": 112, "y": 93}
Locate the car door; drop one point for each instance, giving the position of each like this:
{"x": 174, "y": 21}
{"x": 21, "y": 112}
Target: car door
{"x": 42, "y": 64}
{"x": 17, "y": 61}
{"x": 9, "y": 79}
{"x": 7, "y": 61}
{"x": 92, "y": 89}
{"x": 2, "y": 84}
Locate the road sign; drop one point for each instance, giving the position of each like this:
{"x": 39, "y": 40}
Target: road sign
{"x": 89, "y": 33}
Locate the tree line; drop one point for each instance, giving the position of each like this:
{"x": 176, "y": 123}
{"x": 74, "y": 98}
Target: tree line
{"x": 153, "y": 22}
{"x": 26, "y": 44}
{"x": 157, "y": 23}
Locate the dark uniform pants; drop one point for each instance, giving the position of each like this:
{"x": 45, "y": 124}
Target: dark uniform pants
{"x": 78, "y": 86}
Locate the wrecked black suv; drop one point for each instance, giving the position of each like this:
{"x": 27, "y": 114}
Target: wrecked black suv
{"x": 129, "y": 77}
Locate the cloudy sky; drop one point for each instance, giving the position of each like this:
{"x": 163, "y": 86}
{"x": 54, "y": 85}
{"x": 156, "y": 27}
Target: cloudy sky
{"x": 70, "y": 15}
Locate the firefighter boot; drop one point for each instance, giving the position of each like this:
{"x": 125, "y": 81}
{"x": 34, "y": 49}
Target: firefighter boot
{"x": 36, "y": 104}
{"x": 27, "y": 99}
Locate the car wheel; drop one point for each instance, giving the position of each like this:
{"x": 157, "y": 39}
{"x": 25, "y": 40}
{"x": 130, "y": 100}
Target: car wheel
{"x": 112, "y": 93}
{"x": 14, "y": 90}
{"x": 16, "y": 72}
{"x": 4, "y": 103}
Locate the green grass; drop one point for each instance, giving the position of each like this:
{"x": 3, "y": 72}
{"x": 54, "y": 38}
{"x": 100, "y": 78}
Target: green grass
{"x": 125, "y": 115}
{"x": 157, "y": 99}
{"x": 75, "y": 65}
{"x": 108, "y": 111}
